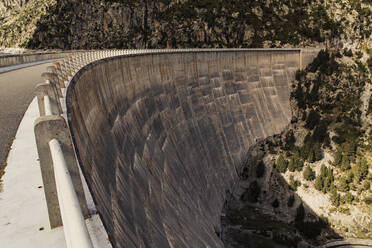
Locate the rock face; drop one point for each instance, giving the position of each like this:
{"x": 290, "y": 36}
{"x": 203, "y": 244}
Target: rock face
{"x": 94, "y": 24}
{"x": 162, "y": 137}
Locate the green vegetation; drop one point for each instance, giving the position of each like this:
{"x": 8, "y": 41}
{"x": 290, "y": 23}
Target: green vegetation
{"x": 281, "y": 164}
{"x": 334, "y": 197}
{"x": 347, "y": 198}
{"x": 329, "y": 101}
{"x": 360, "y": 170}
{"x": 324, "y": 181}
{"x": 309, "y": 174}
{"x": 294, "y": 184}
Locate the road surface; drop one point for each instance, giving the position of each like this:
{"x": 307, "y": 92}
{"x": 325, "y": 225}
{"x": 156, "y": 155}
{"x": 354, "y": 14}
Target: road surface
{"x": 16, "y": 93}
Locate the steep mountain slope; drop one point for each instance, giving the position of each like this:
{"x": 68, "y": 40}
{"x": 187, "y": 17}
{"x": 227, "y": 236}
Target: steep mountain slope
{"x": 69, "y": 24}
{"x": 324, "y": 157}
{"x": 19, "y": 20}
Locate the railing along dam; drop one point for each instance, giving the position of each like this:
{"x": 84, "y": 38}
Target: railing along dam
{"x": 161, "y": 137}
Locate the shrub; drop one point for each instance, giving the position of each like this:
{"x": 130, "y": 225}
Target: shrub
{"x": 294, "y": 184}
{"x": 309, "y": 174}
{"x": 281, "y": 164}
{"x": 300, "y": 74}
{"x": 347, "y": 198}
{"x": 320, "y": 132}
{"x": 366, "y": 185}
{"x": 312, "y": 119}
{"x": 343, "y": 185}
{"x": 345, "y": 164}
{"x": 368, "y": 199}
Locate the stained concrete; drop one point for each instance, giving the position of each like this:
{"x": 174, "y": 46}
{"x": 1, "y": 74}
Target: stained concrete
{"x": 161, "y": 138}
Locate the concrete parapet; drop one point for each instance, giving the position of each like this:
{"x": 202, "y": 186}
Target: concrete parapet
{"x": 48, "y": 128}
{"x": 54, "y": 81}
{"x": 9, "y": 60}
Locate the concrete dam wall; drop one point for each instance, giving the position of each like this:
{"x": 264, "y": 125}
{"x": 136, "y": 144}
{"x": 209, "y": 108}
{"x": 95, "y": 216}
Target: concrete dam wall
{"x": 161, "y": 137}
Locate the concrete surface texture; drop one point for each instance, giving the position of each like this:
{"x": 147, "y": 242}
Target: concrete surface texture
{"x": 161, "y": 137}
{"x": 16, "y": 93}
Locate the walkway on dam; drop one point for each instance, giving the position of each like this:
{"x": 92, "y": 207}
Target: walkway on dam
{"x": 24, "y": 220}
{"x": 16, "y": 93}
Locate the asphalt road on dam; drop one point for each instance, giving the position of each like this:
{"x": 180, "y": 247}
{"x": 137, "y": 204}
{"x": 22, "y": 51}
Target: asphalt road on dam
{"x": 16, "y": 93}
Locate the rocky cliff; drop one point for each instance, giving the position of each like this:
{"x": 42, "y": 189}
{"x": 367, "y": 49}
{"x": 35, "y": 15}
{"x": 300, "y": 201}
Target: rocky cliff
{"x": 70, "y": 24}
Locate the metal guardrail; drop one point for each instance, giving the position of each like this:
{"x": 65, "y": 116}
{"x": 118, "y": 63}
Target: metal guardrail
{"x": 61, "y": 177}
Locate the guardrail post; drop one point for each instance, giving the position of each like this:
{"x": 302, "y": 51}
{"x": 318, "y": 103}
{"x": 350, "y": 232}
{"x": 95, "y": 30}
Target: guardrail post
{"x": 45, "y": 89}
{"x": 53, "y": 80}
{"x": 54, "y": 127}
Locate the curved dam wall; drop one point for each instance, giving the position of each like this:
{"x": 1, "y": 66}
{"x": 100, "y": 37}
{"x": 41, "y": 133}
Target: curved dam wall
{"x": 161, "y": 137}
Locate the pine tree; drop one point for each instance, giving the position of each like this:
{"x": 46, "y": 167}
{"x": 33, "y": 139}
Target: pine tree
{"x": 338, "y": 157}
{"x": 345, "y": 164}
{"x": 318, "y": 183}
{"x": 311, "y": 156}
{"x": 297, "y": 161}
{"x": 343, "y": 185}
{"x": 334, "y": 197}
{"x": 361, "y": 170}
{"x": 309, "y": 174}
{"x": 281, "y": 164}
{"x": 323, "y": 171}
{"x": 330, "y": 174}
{"x": 318, "y": 155}
{"x": 292, "y": 164}
{"x": 326, "y": 184}
{"x": 292, "y": 183}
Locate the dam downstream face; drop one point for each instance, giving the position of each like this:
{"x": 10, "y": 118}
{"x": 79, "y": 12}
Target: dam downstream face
{"x": 162, "y": 137}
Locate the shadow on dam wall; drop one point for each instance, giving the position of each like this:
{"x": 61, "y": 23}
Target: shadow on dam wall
{"x": 162, "y": 137}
